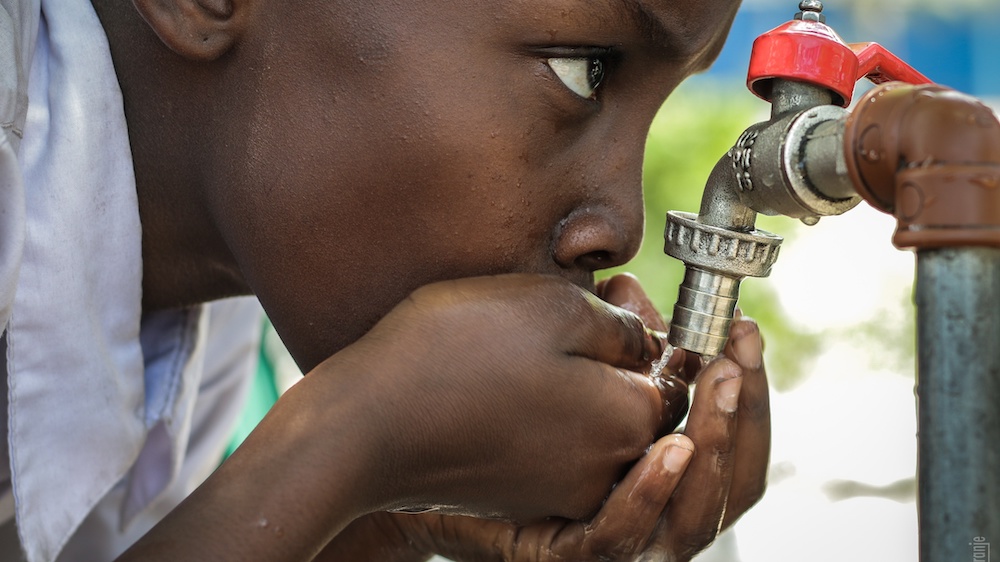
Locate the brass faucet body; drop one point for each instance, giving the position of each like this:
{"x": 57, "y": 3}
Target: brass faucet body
{"x": 790, "y": 165}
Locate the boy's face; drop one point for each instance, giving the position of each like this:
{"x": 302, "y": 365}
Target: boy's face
{"x": 379, "y": 146}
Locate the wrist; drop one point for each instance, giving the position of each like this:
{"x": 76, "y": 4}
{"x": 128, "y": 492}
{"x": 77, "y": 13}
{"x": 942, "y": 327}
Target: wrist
{"x": 382, "y": 536}
{"x": 297, "y": 481}
{"x": 320, "y": 429}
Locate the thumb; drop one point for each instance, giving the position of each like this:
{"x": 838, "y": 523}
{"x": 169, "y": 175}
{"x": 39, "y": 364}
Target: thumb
{"x": 625, "y": 291}
{"x": 617, "y": 337}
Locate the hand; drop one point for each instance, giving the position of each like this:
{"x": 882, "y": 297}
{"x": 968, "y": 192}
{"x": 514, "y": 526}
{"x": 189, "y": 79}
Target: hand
{"x": 728, "y": 474}
{"x": 516, "y": 397}
{"x": 671, "y": 505}
{"x": 668, "y": 507}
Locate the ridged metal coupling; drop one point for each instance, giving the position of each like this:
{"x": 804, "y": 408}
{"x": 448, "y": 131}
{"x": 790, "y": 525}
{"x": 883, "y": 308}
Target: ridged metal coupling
{"x": 717, "y": 260}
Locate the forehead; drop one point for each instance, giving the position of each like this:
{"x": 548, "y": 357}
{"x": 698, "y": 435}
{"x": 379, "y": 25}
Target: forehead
{"x": 680, "y": 28}
{"x": 688, "y": 30}
{"x": 685, "y": 27}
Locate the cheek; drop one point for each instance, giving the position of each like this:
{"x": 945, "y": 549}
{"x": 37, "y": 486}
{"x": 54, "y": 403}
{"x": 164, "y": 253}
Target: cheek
{"x": 344, "y": 221}
{"x": 462, "y": 163}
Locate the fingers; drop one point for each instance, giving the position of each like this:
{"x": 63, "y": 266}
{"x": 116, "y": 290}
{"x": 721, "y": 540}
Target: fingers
{"x": 674, "y": 402}
{"x": 632, "y": 511}
{"x": 619, "y": 531}
{"x": 753, "y": 434}
{"x": 618, "y": 338}
{"x": 695, "y": 513}
{"x": 625, "y": 291}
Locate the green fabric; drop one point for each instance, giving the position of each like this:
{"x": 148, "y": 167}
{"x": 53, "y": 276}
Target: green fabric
{"x": 263, "y": 394}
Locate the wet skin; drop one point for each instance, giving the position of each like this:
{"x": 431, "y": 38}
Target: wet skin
{"x": 340, "y": 160}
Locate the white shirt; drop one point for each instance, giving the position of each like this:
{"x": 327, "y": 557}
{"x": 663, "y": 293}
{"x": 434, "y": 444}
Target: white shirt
{"x": 112, "y": 417}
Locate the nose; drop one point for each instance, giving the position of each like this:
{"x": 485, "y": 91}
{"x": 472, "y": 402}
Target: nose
{"x": 600, "y": 236}
{"x": 605, "y": 228}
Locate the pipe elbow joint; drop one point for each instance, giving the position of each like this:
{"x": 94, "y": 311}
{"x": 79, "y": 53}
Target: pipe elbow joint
{"x": 930, "y": 156}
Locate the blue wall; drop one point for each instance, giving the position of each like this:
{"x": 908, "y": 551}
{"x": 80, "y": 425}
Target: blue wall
{"x": 960, "y": 50}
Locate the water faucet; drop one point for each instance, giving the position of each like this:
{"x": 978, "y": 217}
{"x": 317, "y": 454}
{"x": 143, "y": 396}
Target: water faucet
{"x": 793, "y": 164}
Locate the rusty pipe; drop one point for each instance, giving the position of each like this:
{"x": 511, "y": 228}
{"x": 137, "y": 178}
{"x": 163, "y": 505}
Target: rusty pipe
{"x": 930, "y": 156}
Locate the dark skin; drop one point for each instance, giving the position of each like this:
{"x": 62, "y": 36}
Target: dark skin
{"x": 419, "y": 198}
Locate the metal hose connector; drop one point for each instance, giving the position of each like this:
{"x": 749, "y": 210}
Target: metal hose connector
{"x": 717, "y": 259}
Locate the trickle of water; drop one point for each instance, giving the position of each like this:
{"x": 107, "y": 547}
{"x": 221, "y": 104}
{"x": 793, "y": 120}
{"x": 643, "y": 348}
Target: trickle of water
{"x": 656, "y": 369}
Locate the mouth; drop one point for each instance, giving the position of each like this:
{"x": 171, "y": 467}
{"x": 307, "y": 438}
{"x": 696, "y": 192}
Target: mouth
{"x": 582, "y": 279}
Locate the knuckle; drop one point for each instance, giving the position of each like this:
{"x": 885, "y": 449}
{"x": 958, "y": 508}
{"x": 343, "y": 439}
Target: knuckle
{"x": 723, "y": 453}
{"x": 696, "y": 541}
{"x": 723, "y": 369}
{"x": 729, "y": 415}
{"x": 748, "y": 496}
{"x": 614, "y": 549}
{"x": 632, "y": 333}
{"x": 755, "y": 411}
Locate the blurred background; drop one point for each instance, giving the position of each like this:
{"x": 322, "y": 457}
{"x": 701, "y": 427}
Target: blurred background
{"x": 836, "y": 313}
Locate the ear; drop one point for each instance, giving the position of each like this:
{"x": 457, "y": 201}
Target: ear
{"x": 200, "y": 30}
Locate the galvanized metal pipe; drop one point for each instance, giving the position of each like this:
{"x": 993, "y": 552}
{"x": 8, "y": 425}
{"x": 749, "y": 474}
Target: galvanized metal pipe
{"x": 958, "y": 324}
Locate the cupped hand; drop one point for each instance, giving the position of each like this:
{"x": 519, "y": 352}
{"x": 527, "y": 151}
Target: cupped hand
{"x": 515, "y": 397}
{"x": 730, "y": 426}
{"x": 668, "y": 507}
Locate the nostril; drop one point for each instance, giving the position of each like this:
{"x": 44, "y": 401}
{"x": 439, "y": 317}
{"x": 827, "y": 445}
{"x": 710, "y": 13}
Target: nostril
{"x": 600, "y": 256}
{"x": 595, "y": 260}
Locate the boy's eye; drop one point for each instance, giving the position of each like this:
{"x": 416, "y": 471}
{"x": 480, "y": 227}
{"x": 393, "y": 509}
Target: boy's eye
{"x": 582, "y": 75}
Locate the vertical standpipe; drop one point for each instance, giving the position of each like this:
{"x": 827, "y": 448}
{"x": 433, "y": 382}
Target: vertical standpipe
{"x": 958, "y": 389}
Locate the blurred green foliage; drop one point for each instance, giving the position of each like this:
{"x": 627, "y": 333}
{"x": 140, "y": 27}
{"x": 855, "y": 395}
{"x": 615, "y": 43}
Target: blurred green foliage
{"x": 891, "y": 331}
{"x": 693, "y": 129}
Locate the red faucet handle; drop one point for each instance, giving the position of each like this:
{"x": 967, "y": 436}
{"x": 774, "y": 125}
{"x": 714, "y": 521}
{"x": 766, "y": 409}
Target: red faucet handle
{"x": 879, "y": 65}
{"x": 803, "y": 51}
{"x": 807, "y": 50}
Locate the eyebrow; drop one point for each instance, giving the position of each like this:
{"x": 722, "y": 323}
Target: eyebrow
{"x": 652, "y": 27}
{"x": 665, "y": 32}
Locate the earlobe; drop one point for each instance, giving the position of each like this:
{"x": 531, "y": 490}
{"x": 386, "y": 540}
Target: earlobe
{"x": 200, "y": 30}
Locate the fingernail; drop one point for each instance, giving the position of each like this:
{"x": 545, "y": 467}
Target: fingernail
{"x": 676, "y": 458}
{"x": 729, "y": 394}
{"x": 748, "y": 350}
